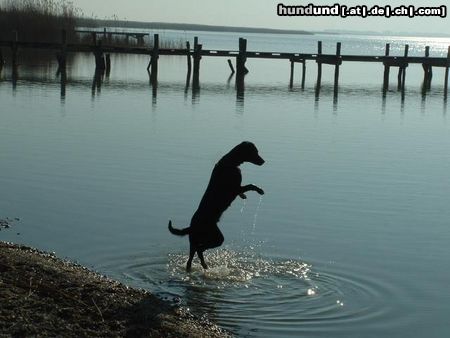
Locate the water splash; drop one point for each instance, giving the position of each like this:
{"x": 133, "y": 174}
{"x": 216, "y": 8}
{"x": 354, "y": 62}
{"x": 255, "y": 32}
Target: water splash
{"x": 228, "y": 266}
{"x": 256, "y": 215}
{"x": 244, "y": 203}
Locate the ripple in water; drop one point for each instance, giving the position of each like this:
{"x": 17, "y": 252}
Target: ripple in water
{"x": 246, "y": 292}
{"x": 252, "y": 295}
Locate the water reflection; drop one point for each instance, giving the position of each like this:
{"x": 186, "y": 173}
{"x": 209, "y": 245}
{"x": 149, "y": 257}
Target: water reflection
{"x": 102, "y": 80}
{"x": 96, "y": 87}
{"x": 240, "y": 90}
{"x": 195, "y": 93}
{"x": 15, "y": 77}
{"x": 188, "y": 80}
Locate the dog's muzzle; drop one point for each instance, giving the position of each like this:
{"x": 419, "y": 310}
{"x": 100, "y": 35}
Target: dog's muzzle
{"x": 258, "y": 160}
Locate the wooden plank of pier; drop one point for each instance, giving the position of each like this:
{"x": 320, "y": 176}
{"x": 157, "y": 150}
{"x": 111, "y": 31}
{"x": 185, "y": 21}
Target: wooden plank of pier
{"x": 323, "y": 58}
{"x": 100, "y": 47}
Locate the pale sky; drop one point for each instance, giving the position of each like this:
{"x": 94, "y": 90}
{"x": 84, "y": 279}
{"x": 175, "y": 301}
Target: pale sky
{"x": 263, "y": 13}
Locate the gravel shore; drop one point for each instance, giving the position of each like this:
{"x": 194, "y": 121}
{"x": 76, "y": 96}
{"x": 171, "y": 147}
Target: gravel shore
{"x": 42, "y": 295}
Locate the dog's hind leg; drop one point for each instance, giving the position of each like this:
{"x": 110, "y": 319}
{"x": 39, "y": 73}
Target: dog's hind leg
{"x": 191, "y": 257}
{"x": 202, "y": 259}
{"x": 215, "y": 238}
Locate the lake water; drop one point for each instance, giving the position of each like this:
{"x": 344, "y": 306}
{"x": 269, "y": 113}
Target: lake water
{"x": 351, "y": 238}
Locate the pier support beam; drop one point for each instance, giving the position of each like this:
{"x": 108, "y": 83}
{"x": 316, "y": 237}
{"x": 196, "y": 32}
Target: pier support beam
{"x": 292, "y": 61}
{"x": 108, "y": 63}
{"x": 427, "y": 70}
{"x": 61, "y": 56}
{"x": 189, "y": 65}
{"x": 99, "y": 59}
{"x": 291, "y": 78}
{"x": 336, "y": 67}
{"x": 402, "y": 71}
{"x": 154, "y": 60}
{"x": 446, "y": 73}
{"x": 197, "y": 57}
{"x": 241, "y": 70}
{"x": 188, "y": 57}
{"x": 319, "y": 64}
{"x": 303, "y": 73}
{"x": 2, "y": 61}
{"x": 14, "y": 50}
{"x": 386, "y": 69}
{"x": 230, "y": 64}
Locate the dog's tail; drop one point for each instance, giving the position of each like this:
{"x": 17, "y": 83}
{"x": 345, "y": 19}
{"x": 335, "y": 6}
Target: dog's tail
{"x": 178, "y": 232}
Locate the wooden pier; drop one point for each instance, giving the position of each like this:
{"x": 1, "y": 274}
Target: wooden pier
{"x": 107, "y": 35}
{"x": 102, "y": 51}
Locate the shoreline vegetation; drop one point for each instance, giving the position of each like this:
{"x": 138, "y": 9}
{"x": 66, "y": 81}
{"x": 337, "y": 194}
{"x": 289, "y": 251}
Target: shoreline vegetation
{"x": 42, "y": 295}
{"x": 37, "y": 20}
{"x": 43, "y": 21}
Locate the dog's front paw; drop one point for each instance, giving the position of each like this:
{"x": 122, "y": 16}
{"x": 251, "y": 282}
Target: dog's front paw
{"x": 243, "y": 196}
{"x": 259, "y": 190}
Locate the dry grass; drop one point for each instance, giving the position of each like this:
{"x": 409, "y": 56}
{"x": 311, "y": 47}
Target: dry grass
{"x": 37, "y": 20}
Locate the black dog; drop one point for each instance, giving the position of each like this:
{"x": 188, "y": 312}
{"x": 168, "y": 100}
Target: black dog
{"x": 224, "y": 186}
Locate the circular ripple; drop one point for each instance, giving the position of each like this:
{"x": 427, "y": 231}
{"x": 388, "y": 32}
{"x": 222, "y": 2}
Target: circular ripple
{"x": 244, "y": 291}
{"x": 279, "y": 297}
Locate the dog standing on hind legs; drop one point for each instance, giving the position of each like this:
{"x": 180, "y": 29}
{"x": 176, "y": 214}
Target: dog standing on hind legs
{"x": 224, "y": 186}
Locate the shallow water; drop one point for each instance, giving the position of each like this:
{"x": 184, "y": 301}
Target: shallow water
{"x": 350, "y": 239}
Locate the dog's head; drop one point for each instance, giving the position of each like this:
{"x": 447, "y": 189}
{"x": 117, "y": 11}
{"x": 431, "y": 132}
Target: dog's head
{"x": 246, "y": 152}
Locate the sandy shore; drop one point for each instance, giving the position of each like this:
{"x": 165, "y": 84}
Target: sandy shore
{"x": 42, "y": 295}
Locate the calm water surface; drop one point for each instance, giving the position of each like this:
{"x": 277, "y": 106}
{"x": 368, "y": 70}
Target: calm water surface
{"x": 351, "y": 238}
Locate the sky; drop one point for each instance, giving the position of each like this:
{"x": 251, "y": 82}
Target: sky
{"x": 263, "y": 13}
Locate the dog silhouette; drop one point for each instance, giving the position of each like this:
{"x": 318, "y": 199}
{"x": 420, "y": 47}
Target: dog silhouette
{"x": 224, "y": 186}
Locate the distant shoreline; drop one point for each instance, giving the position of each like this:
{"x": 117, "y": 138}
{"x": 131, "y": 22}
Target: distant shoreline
{"x": 183, "y": 27}
{"x": 99, "y": 23}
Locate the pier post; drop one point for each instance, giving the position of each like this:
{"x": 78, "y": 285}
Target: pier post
{"x": 2, "y": 62}
{"x": 404, "y": 67}
{"x": 197, "y": 57}
{"x": 154, "y": 60}
{"x": 446, "y": 73}
{"x": 386, "y": 69}
{"x": 61, "y": 56}
{"x": 108, "y": 63}
{"x": 336, "y": 67}
{"x": 402, "y": 71}
{"x": 188, "y": 56}
{"x": 291, "y": 79}
{"x": 189, "y": 65}
{"x": 241, "y": 58}
{"x": 303, "y": 73}
{"x": 99, "y": 59}
{"x": 319, "y": 63}
{"x": 399, "y": 78}
{"x": 427, "y": 70}
{"x": 230, "y": 64}
{"x": 14, "y": 50}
